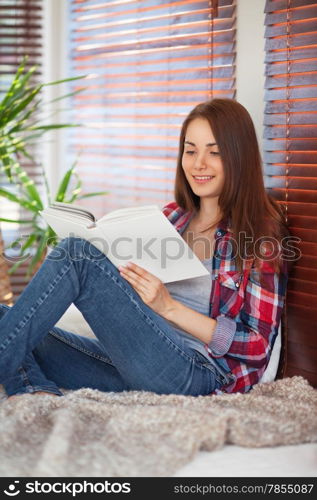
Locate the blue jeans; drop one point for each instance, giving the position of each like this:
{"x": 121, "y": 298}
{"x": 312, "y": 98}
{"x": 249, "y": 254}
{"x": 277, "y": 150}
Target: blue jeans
{"x": 134, "y": 349}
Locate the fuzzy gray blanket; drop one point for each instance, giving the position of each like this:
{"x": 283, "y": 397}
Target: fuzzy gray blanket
{"x": 137, "y": 434}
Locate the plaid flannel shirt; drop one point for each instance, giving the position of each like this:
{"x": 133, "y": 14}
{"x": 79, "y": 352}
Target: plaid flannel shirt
{"x": 254, "y": 308}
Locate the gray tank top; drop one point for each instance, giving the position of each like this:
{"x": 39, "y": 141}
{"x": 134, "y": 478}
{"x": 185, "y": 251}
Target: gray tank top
{"x": 193, "y": 293}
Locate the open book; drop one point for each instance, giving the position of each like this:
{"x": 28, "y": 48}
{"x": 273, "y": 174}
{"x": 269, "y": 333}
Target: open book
{"x": 142, "y": 235}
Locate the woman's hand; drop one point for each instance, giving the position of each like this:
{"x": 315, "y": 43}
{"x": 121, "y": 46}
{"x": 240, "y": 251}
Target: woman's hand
{"x": 150, "y": 288}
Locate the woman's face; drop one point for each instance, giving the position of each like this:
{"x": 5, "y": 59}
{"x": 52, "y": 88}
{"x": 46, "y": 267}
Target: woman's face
{"x": 201, "y": 160}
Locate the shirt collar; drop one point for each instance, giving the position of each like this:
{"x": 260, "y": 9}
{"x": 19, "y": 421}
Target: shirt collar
{"x": 222, "y": 228}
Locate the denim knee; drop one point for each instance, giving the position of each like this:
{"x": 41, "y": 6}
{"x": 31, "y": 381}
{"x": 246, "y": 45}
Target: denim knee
{"x": 76, "y": 249}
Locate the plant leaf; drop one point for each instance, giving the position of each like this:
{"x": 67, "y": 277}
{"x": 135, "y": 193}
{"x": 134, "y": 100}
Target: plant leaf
{"x": 24, "y": 203}
{"x": 29, "y": 242}
{"x": 14, "y": 242}
{"x": 77, "y": 189}
{"x": 55, "y": 126}
{"x": 18, "y": 127}
{"x": 28, "y": 185}
{"x": 18, "y": 84}
{"x": 88, "y": 195}
{"x": 62, "y": 188}
{"x": 65, "y": 96}
{"x": 57, "y": 82}
{"x": 18, "y": 221}
{"x": 23, "y": 104}
{"x": 16, "y": 266}
{"x": 6, "y": 161}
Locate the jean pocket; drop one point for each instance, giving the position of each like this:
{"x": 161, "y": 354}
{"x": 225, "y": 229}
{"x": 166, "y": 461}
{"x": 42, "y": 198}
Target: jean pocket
{"x": 223, "y": 377}
{"x": 209, "y": 364}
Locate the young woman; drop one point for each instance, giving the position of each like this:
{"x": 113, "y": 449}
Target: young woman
{"x": 200, "y": 336}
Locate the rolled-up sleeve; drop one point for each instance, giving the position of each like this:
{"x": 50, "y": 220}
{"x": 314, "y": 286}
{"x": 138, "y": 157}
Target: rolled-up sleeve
{"x": 222, "y": 336}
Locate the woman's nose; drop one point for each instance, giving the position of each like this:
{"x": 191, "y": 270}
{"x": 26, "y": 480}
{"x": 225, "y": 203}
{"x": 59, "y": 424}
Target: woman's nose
{"x": 200, "y": 161}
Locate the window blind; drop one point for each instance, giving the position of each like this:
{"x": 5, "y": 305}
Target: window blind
{"x": 20, "y": 35}
{"x": 147, "y": 64}
{"x": 290, "y": 157}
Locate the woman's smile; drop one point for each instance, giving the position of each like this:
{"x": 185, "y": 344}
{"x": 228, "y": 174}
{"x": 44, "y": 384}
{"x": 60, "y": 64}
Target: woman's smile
{"x": 203, "y": 179}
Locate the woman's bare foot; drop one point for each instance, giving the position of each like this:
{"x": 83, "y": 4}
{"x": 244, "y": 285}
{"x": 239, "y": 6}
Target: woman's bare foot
{"x": 33, "y": 393}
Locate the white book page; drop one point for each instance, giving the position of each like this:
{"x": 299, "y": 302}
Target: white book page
{"x": 73, "y": 209}
{"x": 66, "y": 216}
{"x": 126, "y": 213}
{"x": 153, "y": 243}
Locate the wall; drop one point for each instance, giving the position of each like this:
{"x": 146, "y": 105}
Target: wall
{"x": 250, "y": 59}
{"x": 55, "y": 40}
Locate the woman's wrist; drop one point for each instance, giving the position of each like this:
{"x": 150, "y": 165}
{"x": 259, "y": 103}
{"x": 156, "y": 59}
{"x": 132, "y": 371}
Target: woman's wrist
{"x": 171, "y": 310}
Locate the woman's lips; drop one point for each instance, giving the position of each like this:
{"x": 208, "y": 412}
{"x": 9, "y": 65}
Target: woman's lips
{"x": 203, "y": 179}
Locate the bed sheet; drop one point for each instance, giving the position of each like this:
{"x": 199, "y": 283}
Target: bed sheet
{"x": 236, "y": 461}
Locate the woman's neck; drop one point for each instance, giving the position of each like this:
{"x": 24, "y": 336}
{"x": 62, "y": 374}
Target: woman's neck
{"x": 208, "y": 212}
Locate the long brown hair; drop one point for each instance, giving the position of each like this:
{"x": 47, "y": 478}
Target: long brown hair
{"x": 243, "y": 201}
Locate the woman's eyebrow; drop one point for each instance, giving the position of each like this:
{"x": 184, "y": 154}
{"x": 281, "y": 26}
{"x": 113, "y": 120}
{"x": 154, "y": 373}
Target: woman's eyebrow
{"x": 207, "y": 145}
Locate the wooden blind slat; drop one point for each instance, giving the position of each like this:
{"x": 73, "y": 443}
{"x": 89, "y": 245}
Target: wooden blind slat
{"x": 280, "y": 43}
{"x": 294, "y": 79}
{"x": 294, "y": 14}
{"x": 276, "y": 5}
{"x": 304, "y": 222}
{"x": 294, "y": 146}
{"x": 298, "y": 27}
{"x": 133, "y": 7}
{"x": 302, "y": 166}
{"x": 290, "y": 159}
{"x": 16, "y": 6}
{"x": 150, "y": 60}
{"x": 276, "y": 73}
{"x": 294, "y": 119}
{"x": 294, "y": 54}
{"x": 188, "y": 40}
{"x": 283, "y": 104}
{"x": 296, "y": 170}
{"x": 295, "y": 183}
{"x": 305, "y": 131}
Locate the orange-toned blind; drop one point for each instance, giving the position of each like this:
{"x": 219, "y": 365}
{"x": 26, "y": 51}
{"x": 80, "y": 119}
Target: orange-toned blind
{"x": 148, "y": 63}
{"x": 20, "y": 35}
{"x": 290, "y": 156}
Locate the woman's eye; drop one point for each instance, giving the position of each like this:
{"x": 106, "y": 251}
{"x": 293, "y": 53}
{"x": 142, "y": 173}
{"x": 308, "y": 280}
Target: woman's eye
{"x": 214, "y": 153}
{"x": 189, "y": 152}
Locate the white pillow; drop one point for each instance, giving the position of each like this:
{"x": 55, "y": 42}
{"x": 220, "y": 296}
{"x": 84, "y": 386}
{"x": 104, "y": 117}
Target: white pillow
{"x": 271, "y": 369}
{"x": 73, "y": 321}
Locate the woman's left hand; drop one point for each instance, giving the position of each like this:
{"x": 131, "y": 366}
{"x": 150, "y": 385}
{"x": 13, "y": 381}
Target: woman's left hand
{"x": 150, "y": 288}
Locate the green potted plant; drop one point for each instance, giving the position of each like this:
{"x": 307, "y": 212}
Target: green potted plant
{"x": 19, "y": 129}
